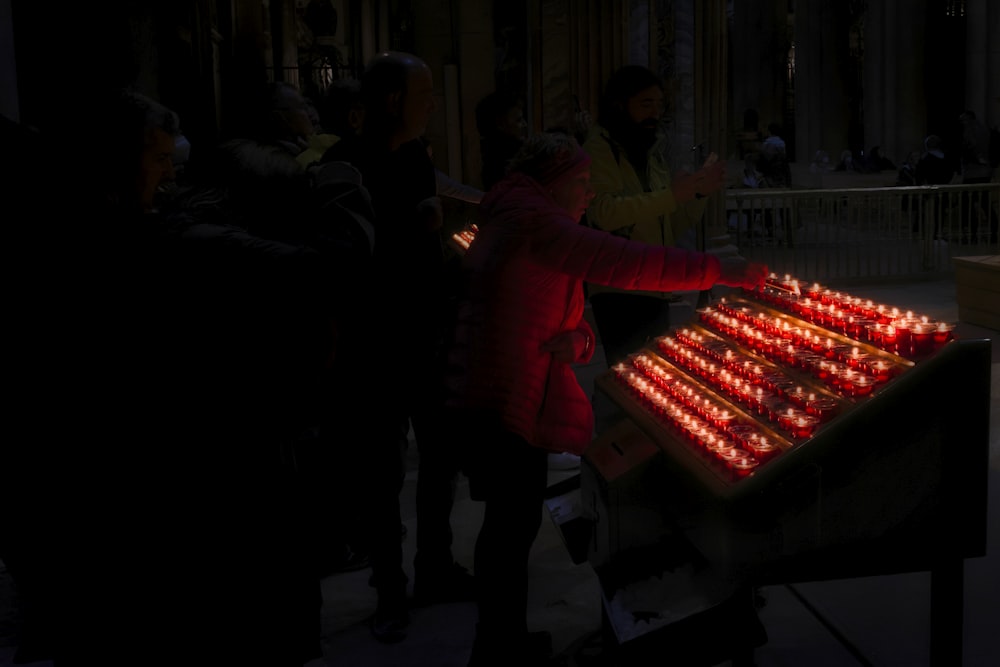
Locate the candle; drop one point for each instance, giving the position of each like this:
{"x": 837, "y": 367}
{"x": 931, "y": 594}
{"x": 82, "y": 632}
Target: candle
{"x": 741, "y": 432}
{"x": 729, "y": 454}
{"x": 824, "y": 408}
{"x": 761, "y": 447}
{"x": 861, "y": 385}
{"x": 723, "y": 419}
{"x": 786, "y": 418}
{"x": 803, "y": 425}
{"x": 742, "y": 465}
{"x": 719, "y": 447}
{"x": 923, "y": 337}
{"x": 876, "y": 333}
{"x": 942, "y": 334}
{"x": 904, "y": 331}
{"x": 881, "y": 370}
{"x": 889, "y": 337}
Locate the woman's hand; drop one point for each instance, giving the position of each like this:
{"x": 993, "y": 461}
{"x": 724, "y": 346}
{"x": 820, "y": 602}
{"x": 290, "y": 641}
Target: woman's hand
{"x": 708, "y": 180}
{"x": 738, "y": 272}
{"x": 567, "y": 346}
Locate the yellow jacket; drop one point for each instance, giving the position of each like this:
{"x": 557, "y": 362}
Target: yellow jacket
{"x": 318, "y": 143}
{"x": 622, "y": 207}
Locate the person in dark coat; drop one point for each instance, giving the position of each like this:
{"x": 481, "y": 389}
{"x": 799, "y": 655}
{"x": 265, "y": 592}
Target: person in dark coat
{"x": 409, "y": 301}
{"x": 187, "y": 351}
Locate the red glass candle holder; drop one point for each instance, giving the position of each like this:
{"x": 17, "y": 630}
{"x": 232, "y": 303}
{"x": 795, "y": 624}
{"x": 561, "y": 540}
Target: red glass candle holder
{"x": 762, "y": 448}
{"x": 727, "y": 454}
{"x": 719, "y": 446}
{"x": 803, "y": 425}
{"x": 861, "y": 385}
{"x": 923, "y": 337}
{"x": 742, "y": 465}
{"x": 876, "y": 334}
{"x": 741, "y": 432}
{"x": 943, "y": 332}
{"x": 881, "y": 370}
{"x": 824, "y": 408}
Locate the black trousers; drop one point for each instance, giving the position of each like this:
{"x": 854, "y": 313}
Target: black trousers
{"x": 513, "y": 486}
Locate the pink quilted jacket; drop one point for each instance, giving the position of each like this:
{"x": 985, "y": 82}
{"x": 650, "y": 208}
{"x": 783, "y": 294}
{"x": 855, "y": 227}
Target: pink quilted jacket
{"x": 525, "y": 273}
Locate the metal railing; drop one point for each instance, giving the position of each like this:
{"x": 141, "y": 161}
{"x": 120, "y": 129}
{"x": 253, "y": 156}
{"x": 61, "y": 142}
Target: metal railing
{"x": 866, "y": 233}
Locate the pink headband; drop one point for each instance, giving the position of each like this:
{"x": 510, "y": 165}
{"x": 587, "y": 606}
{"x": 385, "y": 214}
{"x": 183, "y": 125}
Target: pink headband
{"x": 560, "y": 169}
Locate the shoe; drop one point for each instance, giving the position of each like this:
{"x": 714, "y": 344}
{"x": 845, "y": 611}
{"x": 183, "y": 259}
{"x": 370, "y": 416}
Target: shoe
{"x": 453, "y": 584}
{"x": 563, "y": 461}
{"x": 389, "y": 623}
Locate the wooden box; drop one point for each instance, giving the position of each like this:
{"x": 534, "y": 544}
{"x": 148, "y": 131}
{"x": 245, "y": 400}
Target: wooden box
{"x": 977, "y": 290}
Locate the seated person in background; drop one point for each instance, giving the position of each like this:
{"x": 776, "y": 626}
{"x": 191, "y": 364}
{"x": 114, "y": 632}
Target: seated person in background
{"x": 933, "y": 168}
{"x": 876, "y": 162}
{"x": 774, "y": 159}
{"x": 908, "y": 170}
{"x": 846, "y": 162}
{"x": 752, "y": 178}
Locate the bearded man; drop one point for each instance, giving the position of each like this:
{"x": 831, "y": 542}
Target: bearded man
{"x": 637, "y": 198}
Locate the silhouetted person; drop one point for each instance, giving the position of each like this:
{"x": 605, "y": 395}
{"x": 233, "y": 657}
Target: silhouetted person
{"x": 502, "y": 130}
{"x": 409, "y": 309}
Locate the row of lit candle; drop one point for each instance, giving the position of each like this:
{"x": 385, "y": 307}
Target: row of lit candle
{"x": 884, "y": 326}
{"x": 769, "y": 400}
{"x": 838, "y": 365}
{"x": 737, "y": 447}
{"x": 743, "y": 379}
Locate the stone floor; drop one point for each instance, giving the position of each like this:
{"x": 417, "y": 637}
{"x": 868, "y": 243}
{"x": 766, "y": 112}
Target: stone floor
{"x": 883, "y": 621}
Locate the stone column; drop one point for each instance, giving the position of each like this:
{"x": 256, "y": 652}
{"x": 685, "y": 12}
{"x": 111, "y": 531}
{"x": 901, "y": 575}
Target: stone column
{"x": 457, "y": 36}
{"x": 982, "y": 55}
{"x": 895, "y": 96}
{"x": 822, "y": 65}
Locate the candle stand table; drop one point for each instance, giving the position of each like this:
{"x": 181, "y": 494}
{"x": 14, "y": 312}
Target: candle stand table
{"x": 887, "y": 475}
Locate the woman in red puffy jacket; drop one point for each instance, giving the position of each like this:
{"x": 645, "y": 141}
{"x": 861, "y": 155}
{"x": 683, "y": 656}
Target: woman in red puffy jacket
{"x": 520, "y": 327}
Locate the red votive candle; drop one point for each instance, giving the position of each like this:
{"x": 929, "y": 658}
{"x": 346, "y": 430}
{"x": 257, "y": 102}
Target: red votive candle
{"x": 923, "y": 337}
{"x": 728, "y": 454}
{"x": 803, "y": 425}
{"x": 743, "y": 465}
{"x": 861, "y": 385}
{"x": 881, "y": 370}
{"x": 762, "y": 448}
{"x": 824, "y": 408}
{"x": 876, "y": 334}
{"x": 786, "y": 416}
{"x": 741, "y": 432}
{"x": 942, "y": 334}
{"x": 904, "y": 336}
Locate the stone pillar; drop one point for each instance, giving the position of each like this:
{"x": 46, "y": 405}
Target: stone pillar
{"x": 476, "y": 60}
{"x": 895, "y": 100}
{"x": 982, "y": 54}
{"x": 459, "y": 36}
{"x": 822, "y": 65}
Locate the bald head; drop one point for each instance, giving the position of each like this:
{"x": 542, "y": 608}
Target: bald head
{"x": 397, "y": 90}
